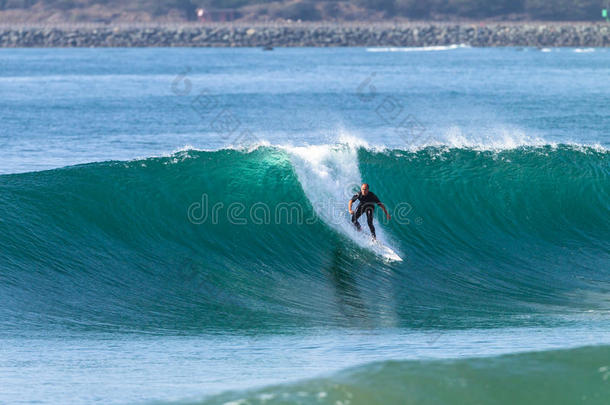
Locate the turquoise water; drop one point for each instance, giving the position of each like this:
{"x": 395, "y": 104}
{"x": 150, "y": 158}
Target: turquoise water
{"x": 173, "y": 226}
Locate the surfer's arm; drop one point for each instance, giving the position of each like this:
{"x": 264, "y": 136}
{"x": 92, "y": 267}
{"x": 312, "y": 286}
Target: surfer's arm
{"x": 351, "y": 201}
{"x": 384, "y": 210}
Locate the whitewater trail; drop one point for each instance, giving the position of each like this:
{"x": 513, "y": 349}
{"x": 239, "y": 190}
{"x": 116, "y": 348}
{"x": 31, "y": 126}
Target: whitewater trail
{"x": 330, "y": 176}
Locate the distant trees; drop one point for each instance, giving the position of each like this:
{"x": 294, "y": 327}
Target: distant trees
{"x": 158, "y": 8}
{"x": 302, "y": 10}
{"x": 564, "y": 9}
{"x": 419, "y": 8}
{"x": 534, "y": 9}
{"x": 381, "y": 5}
{"x": 484, "y": 8}
{"x": 8, "y": 4}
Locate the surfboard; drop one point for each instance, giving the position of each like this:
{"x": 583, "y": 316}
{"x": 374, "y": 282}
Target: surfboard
{"x": 377, "y": 246}
{"x": 385, "y": 251}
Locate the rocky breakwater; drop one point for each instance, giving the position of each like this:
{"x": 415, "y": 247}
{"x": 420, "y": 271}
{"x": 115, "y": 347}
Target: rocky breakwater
{"x": 300, "y": 34}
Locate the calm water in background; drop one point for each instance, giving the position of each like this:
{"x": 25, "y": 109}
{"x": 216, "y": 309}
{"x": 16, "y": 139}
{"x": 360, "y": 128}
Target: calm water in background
{"x": 70, "y": 106}
{"x": 110, "y": 294}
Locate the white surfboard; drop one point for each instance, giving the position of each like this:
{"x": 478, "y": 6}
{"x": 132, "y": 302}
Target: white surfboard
{"x": 376, "y": 246}
{"x": 385, "y": 251}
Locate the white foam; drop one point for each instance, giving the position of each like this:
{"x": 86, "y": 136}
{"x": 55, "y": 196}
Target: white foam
{"x": 494, "y": 139}
{"x": 330, "y": 176}
{"x": 418, "y": 48}
{"x": 584, "y": 50}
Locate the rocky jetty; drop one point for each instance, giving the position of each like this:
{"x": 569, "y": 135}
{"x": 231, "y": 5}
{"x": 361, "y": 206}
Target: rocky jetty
{"x": 318, "y": 35}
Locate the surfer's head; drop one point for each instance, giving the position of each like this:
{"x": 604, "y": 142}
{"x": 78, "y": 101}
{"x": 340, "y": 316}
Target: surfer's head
{"x": 364, "y": 188}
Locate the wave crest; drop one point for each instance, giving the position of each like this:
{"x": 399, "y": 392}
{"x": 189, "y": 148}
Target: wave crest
{"x": 127, "y": 244}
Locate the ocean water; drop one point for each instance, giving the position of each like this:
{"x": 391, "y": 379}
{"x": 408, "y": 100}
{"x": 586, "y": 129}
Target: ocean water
{"x": 173, "y": 226}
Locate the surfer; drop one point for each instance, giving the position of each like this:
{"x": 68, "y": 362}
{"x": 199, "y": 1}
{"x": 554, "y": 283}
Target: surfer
{"x": 367, "y": 205}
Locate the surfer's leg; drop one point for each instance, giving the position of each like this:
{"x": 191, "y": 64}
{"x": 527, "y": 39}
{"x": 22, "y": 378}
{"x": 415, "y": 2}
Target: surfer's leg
{"x": 355, "y": 218}
{"x": 369, "y": 221}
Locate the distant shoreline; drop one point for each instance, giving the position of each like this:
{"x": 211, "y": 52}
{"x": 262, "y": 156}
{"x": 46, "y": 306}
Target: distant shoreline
{"x": 417, "y": 34}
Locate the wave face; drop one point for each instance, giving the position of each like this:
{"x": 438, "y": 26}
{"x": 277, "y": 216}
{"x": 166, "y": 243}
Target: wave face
{"x": 552, "y": 377}
{"x": 259, "y": 239}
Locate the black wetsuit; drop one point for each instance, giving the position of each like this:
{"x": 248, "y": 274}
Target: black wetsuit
{"x": 367, "y": 205}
